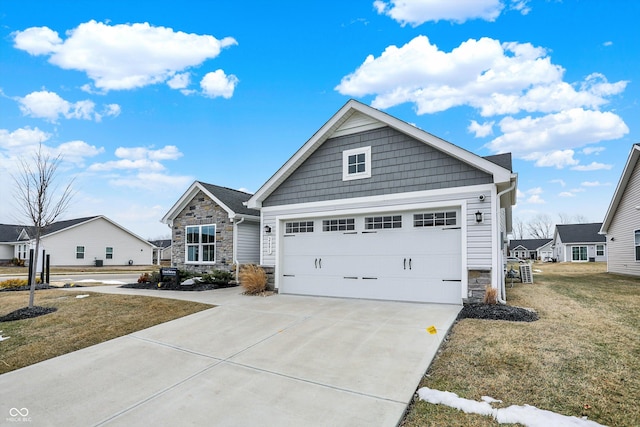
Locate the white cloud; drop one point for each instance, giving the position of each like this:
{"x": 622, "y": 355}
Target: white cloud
{"x": 417, "y": 12}
{"x": 593, "y": 184}
{"x": 138, "y": 158}
{"x": 594, "y": 166}
{"x": 566, "y": 194}
{"x": 494, "y": 78}
{"x": 558, "y": 181}
{"x": 481, "y": 130}
{"x": 561, "y": 131}
{"x": 218, "y": 84}
{"x": 535, "y": 200}
{"x": 21, "y": 138}
{"x": 152, "y": 181}
{"x": 607, "y": 43}
{"x": 179, "y": 81}
{"x": 558, "y": 159}
{"x": 124, "y": 56}
{"x": 51, "y": 107}
{"x": 593, "y": 150}
{"x": 77, "y": 151}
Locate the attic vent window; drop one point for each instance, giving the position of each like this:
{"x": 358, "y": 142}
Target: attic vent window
{"x": 356, "y": 163}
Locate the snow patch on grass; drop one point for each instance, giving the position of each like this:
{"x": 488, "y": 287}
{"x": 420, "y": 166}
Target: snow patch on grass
{"x": 529, "y": 416}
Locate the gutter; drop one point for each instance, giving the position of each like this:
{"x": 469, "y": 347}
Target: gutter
{"x": 502, "y": 289}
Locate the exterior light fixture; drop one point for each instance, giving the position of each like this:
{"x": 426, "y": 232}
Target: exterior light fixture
{"x": 267, "y": 229}
{"x": 478, "y": 217}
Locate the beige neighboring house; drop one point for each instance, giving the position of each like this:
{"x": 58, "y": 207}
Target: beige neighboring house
{"x": 94, "y": 240}
{"x": 622, "y": 222}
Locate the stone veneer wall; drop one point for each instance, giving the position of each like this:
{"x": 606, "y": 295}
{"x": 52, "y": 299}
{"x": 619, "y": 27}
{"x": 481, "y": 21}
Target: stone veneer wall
{"x": 202, "y": 210}
{"x": 478, "y": 281}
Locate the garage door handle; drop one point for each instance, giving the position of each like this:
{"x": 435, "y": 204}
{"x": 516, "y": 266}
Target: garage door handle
{"x": 451, "y": 280}
{"x": 316, "y": 262}
{"x": 405, "y": 263}
{"x": 409, "y": 263}
{"x": 320, "y": 262}
{"x": 369, "y": 278}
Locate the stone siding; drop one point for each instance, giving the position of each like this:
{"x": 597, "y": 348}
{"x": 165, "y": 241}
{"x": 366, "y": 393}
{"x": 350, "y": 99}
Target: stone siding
{"x": 478, "y": 282}
{"x": 201, "y": 211}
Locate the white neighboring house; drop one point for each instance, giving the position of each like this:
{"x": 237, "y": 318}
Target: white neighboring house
{"x": 622, "y": 221}
{"x": 92, "y": 240}
{"x": 373, "y": 207}
{"x": 579, "y": 243}
{"x": 535, "y": 249}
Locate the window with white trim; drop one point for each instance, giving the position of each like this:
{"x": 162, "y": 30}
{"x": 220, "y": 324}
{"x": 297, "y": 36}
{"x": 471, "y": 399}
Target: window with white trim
{"x": 79, "y": 252}
{"x": 109, "y": 253}
{"x": 200, "y": 244}
{"x": 356, "y": 163}
{"x": 578, "y": 253}
{"x": 22, "y": 252}
{"x": 637, "y": 244}
{"x": 340, "y": 224}
{"x": 599, "y": 250}
{"x": 298, "y": 227}
{"x": 382, "y": 222}
{"x": 434, "y": 219}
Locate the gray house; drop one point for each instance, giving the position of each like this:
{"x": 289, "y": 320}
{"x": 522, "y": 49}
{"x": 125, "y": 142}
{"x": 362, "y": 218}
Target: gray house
{"x": 622, "y": 221}
{"x": 579, "y": 243}
{"x": 536, "y": 249}
{"x": 373, "y": 207}
{"x": 212, "y": 229}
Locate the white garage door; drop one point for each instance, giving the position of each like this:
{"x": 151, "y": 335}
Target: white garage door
{"x": 410, "y": 256}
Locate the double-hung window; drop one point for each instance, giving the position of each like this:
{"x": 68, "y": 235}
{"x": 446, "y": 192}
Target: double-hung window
{"x": 637, "y": 244}
{"x": 79, "y": 252}
{"x": 109, "y": 253}
{"x": 599, "y": 250}
{"x": 201, "y": 244}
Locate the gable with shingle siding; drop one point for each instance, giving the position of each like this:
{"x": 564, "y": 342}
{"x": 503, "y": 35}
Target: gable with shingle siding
{"x": 401, "y": 163}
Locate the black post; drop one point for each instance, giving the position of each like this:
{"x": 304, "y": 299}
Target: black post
{"x": 48, "y": 258}
{"x": 42, "y": 271}
{"x": 30, "y": 267}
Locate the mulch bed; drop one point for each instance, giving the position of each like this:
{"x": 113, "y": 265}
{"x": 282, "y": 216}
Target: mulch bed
{"x": 497, "y": 312}
{"x": 27, "y": 313}
{"x": 177, "y": 287}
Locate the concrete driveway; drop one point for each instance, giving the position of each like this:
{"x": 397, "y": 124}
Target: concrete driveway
{"x": 276, "y": 361}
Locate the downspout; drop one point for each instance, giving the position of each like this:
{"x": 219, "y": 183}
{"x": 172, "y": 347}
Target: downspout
{"x": 502, "y": 294}
{"x": 235, "y": 245}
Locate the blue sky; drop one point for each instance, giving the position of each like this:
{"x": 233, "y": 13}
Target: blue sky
{"x": 142, "y": 98}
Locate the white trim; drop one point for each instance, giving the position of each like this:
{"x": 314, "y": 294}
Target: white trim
{"x": 200, "y": 245}
{"x": 337, "y": 204}
{"x": 346, "y": 176}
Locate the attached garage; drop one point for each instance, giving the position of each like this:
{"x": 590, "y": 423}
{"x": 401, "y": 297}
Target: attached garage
{"x": 402, "y": 256}
{"x": 373, "y": 207}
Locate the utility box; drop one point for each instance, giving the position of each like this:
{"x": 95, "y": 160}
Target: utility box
{"x": 98, "y": 263}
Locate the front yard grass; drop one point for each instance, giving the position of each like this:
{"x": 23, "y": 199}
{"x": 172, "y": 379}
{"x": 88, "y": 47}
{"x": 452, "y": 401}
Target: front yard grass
{"x": 78, "y": 323}
{"x": 582, "y": 358}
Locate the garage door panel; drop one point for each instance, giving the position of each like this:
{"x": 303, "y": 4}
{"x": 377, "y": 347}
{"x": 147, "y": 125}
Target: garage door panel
{"x": 404, "y": 264}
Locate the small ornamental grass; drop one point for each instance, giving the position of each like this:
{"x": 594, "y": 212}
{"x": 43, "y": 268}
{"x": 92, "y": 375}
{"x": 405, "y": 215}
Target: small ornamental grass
{"x": 491, "y": 295}
{"x": 253, "y": 279}
{"x": 15, "y": 283}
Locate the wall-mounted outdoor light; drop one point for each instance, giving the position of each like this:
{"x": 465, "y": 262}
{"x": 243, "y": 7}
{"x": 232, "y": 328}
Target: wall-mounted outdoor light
{"x": 478, "y": 217}
{"x": 267, "y": 229}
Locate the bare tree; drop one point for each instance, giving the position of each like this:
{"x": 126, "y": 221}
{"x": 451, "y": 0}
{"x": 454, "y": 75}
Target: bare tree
{"x": 541, "y": 227}
{"x": 36, "y": 190}
{"x": 518, "y": 229}
{"x": 564, "y": 218}
{"x": 581, "y": 219}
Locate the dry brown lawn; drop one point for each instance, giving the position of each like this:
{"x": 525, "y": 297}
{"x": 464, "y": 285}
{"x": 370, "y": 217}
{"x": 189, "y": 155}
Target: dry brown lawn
{"x": 582, "y": 358}
{"x": 78, "y": 323}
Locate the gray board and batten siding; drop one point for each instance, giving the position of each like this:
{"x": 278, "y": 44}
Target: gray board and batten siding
{"x": 399, "y": 164}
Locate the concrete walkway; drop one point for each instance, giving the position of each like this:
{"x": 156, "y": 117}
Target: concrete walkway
{"x": 273, "y": 361}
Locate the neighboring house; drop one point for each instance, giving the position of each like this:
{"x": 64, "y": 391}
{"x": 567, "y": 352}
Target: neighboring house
{"x": 535, "y": 249}
{"x": 80, "y": 241}
{"x": 373, "y": 207}
{"x": 161, "y": 251}
{"x": 212, "y": 229}
{"x": 579, "y": 243}
{"x": 622, "y": 221}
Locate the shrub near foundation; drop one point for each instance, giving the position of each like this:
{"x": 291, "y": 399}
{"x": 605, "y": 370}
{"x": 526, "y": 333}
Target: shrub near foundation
{"x": 253, "y": 279}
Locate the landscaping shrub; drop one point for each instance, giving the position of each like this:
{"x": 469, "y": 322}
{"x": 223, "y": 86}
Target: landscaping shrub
{"x": 15, "y": 283}
{"x": 491, "y": 295}
{"x": 144, "y": 278}
{"x": 218, "y": 277}
{"x": 253, "y": 279}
